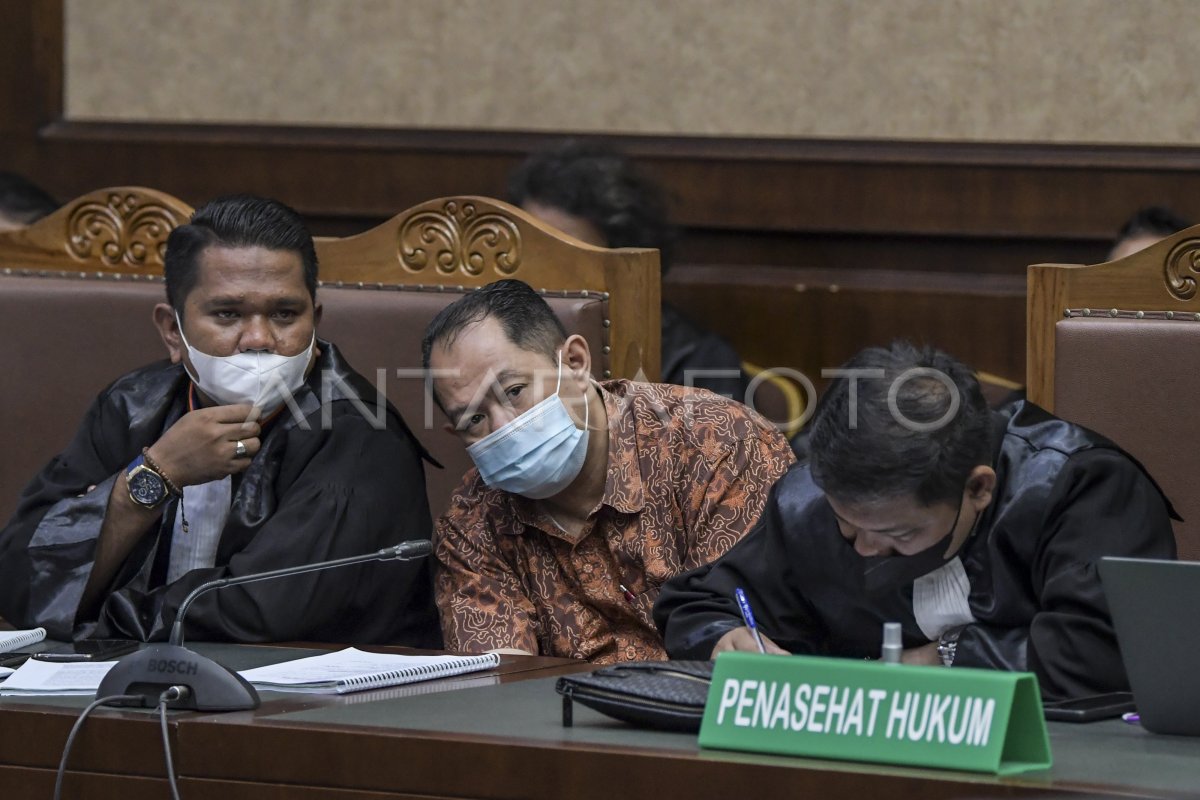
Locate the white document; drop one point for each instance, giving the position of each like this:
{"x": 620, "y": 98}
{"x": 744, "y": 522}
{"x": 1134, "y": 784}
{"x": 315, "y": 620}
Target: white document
{"x": 353, "y": 670}
{"x": 44, "y": 677}
{"x": 15, "y": 640}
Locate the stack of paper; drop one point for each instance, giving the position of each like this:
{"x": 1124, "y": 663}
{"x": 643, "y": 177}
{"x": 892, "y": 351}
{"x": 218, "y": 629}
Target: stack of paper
{"x": 44, "y": 677}
{"x": 353, "y": 670}
{"x": 15, "y": 640}
{"x": 348, "y": 670}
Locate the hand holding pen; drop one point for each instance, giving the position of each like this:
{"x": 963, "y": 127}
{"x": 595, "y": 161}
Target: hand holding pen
{"x": 748, "y": 618}
{"x": 747, "y": 638}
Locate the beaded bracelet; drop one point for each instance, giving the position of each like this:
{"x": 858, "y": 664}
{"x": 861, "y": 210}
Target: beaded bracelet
{"x": 171, "y": 487}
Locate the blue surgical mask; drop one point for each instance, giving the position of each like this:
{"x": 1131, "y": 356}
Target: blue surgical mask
{"x": 536, "y": 455}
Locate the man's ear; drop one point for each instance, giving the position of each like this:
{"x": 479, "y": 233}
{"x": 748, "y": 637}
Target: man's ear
{"x": 577, "y": 357}
{"x": 318, "y": 310}
{"x": 981, "y": 486}
{"x": 164, "y": 319}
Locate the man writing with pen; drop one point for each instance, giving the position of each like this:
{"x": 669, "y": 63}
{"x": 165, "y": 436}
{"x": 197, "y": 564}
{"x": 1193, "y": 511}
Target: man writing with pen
{"x": 979, "y": 532}
{"x": 587, "y": 496}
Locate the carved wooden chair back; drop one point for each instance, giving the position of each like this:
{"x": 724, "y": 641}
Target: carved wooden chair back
{"x": 460, "y": 243}
{"x": 1112, "y": 347}
{"x": 118, "y": 231}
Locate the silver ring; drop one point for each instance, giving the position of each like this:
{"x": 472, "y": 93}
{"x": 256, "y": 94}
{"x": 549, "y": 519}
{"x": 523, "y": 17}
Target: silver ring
{"x": 240, "y": 451}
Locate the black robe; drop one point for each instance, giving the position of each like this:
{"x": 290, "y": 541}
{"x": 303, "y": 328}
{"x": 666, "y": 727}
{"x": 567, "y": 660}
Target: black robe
{"x": 1064, "y": 497}
{"x": 686, "y": 347}
{"x": 328, "y": 482}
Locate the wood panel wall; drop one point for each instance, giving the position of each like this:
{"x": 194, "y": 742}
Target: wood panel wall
{"x": 920, "y": 239}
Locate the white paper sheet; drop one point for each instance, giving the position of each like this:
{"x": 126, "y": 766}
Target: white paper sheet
{"x": 44, "y": 677}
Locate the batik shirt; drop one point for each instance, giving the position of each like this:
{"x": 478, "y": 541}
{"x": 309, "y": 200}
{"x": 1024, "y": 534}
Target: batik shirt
{"x": 688, "y": 475}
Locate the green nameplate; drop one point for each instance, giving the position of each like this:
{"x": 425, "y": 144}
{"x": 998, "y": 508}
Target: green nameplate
{"x": 958, "y": 718}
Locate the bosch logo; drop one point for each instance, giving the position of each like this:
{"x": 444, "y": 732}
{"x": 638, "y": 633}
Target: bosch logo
{"x": 168, "y": 667}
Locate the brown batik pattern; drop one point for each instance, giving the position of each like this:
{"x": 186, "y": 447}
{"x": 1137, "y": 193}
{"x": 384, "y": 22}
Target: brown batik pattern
{"x": 688, "y": 475}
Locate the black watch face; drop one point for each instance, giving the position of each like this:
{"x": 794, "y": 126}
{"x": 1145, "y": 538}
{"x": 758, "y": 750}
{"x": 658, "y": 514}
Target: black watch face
{"x": 146, "y": 488}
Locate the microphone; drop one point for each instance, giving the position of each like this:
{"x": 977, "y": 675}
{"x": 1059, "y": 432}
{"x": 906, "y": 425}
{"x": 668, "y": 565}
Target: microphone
{"x": 153, "y": 670}
{"x": 405, "y": 551}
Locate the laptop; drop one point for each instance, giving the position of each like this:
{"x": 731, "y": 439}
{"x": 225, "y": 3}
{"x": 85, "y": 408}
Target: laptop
{"x": 1155, "y": 608}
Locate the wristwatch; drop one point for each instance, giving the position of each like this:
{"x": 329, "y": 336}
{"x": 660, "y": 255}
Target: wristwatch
{"x": 147, "y": 486}
{"x": 947, "y": 646}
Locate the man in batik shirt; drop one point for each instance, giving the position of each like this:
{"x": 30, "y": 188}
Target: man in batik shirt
{"x": 586, "y": 496}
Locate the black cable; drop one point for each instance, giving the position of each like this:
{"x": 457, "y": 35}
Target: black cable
{"x": 62, "y": 765}
{"x": 174, "y": 693}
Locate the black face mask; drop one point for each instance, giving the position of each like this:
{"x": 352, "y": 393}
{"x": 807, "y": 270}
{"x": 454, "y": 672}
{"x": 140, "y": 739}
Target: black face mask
{"x": 885, "y": 574}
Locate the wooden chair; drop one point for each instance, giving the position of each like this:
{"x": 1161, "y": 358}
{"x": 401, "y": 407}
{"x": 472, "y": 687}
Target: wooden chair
{"x": 1112, "y": 347}
{"x": 117, "y": 231}
{"x": 77, "y": 289}
{"x": 456, "y": 244}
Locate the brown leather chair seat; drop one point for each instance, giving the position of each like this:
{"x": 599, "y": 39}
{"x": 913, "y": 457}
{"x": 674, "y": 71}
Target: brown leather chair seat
{"x": 1133, "y": 381}
{"x": 65, "y": 339}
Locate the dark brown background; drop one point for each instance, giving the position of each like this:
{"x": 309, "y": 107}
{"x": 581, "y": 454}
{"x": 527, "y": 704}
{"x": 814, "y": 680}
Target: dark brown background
{"x": 800, "y": 251}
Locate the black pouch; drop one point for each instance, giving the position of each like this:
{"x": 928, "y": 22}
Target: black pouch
{"x": 667, "y": 695}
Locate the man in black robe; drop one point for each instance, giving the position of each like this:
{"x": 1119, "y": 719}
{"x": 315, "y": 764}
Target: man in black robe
{"x": 979, "y": 532}
{"x": 249, "y": 450}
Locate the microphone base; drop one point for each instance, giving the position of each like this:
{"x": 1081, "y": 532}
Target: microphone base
{"x": 152, "y": 670}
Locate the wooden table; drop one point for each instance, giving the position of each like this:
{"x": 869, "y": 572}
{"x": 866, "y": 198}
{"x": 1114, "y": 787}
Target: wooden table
{"x": 498, "y": 735}
{"x": 507, "y": 741}
{"x": 119, "y": 752}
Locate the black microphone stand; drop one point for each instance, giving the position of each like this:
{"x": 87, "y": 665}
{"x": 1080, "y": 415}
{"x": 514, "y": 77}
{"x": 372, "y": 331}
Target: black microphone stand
{"x": 144, "y": 676}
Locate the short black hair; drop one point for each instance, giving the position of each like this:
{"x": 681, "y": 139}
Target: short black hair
{"x": 589, "y": 180}
{"x": 235, "y": 221}
{"x": 23, "y": 202}
{"x": 875, "y": 453}
{"x": 1152, "y": 221}
{"x": 525, "y": 316}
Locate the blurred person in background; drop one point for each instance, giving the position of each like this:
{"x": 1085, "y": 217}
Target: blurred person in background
{"x": 1146, "y": 227}
{"x": 600, "y": 197}
{"x": 21, "y": 202}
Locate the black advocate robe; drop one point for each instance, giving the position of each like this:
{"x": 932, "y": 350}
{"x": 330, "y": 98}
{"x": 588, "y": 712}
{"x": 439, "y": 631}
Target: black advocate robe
{"x": 687, "y": 348}
{"x": 326, "y": 484}
{"x": 1065, "y": 497}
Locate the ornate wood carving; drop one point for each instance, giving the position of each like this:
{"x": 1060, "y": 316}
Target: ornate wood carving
{"x": 460, "y": 238}
{"x": 127, "y": 229}
{"x": 1182, "y": 266}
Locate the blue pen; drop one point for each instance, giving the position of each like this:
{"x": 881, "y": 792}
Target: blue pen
{"x": 748, "y": 617}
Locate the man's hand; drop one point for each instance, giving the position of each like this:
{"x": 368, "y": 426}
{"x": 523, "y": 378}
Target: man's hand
{"x": 742, "y": 639}
{"x": 202, "y": 445}
{"x": 926, "y": 655}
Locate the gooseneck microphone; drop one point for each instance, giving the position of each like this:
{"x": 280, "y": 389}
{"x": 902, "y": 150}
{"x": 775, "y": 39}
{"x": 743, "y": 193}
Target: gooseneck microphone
{"x": 405, "y": 551}
{"x": 144, "y": 676}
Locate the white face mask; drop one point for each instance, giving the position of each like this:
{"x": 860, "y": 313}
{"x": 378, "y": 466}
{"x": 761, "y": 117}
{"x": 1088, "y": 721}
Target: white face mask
{"x": 536, "y": 455}
{"x": 254, "y": 377}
